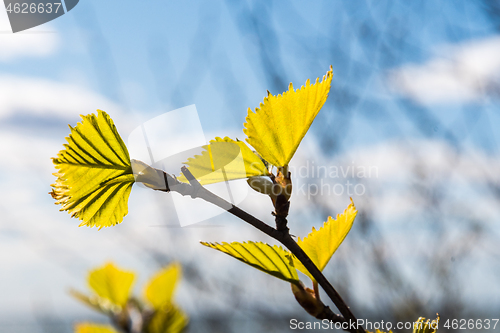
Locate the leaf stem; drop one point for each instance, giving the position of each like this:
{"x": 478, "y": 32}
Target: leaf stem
{"x": 292, "y": 245}
{"x": 316, "y": 290}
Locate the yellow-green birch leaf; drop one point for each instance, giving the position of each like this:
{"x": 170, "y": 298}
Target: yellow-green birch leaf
{"x": 223, "y": 160}
{"x": 272, "y": 260}
{"x": 168, "y": 319}
{"x": 94, "y": 328}
{"x": 161, "y": 287}
{"x": 111, "y": 283}
{"x": 277, "y": 127}
{"x": 321, "y": 244}
{"x": 94, "y": 176}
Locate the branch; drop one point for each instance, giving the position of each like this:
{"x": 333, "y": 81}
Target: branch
{"x": 195, "y": 190}
{"x": 290, "y": 243}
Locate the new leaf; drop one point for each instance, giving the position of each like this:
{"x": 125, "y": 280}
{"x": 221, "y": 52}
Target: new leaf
{"x": 321, "y": 244}
{"x": 94, "y": 175}
{"x": 112, "y": 284}
{"x": 223, "y": 160}
{"x": 160, "y": 288}
{"x": 272, "y": 260}
{"x": 276, "y": 129}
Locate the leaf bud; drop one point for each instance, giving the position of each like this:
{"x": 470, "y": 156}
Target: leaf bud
{"x": 261, "y": 185}
{"x": 305, "y": 297}
{"x": 151, "y": 177}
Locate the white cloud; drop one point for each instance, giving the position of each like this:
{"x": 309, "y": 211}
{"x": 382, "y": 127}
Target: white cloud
{"x": 403, "y": 175}
{"x": 459, "y": 73}
{"x": 36, "y": 42}
{"x": 48, "y": 98}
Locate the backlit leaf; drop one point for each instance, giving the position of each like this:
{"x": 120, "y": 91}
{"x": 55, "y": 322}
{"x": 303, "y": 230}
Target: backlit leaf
{"x": 168, "y": 319}
{"x": 223, "y": 160}
{"x": 276, "y": 129}
{"x": 111, "y": 283}
{"x": 269, "y": 259}
{"x": 94, "y": 328}
{"x": 321, "y": 244}
{"x": 160, "y": 289}
{"x": 94, "y": 176}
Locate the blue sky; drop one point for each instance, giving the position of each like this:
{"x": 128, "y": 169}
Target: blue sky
{"x": 414, "y": 87}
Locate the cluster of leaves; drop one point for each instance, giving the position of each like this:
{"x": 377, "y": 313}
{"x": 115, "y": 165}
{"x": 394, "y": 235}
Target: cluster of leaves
{"x": 319, "y": 245}
{"x": 111, "y": 295}
{"x": 95, "y": 176}
{"x": 95, "y": 173}
{"x": 275, "y": 131}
